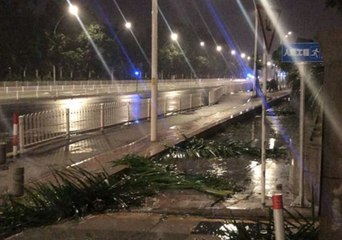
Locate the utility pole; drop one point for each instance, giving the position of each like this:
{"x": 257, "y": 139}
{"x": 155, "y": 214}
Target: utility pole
{"x": 154, "y": 72}
{"x": 268, "y": 31}
{"x": 255, "y": 93}
{"x": 263, "y": 129}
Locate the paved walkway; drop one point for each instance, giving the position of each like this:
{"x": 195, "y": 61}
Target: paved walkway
{"x": 96, "y": 150}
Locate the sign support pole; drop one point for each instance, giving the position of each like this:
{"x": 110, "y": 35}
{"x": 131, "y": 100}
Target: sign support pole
{"x": 301, "y": 134}
{"x": 302, "y": 53}
{"x": 300, "y": 201}
{"x": 268, "y": 31}
{"x": 255, "y": 93}
{"x": 263, "y": 130}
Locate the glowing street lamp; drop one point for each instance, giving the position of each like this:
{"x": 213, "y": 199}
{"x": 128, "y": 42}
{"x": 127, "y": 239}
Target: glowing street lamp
{"x": 128, "y": 25}
{"x": 233, "y": 52}
{"x": 219, "y": 48}
{"x": 174, "y": 36}
{"x": 288, "y": 34}
{"x": 285, "y": 38}
{"x": 73, "y": 9}
{"x": 243, "y": 55}
{"x": 202, "y": 44}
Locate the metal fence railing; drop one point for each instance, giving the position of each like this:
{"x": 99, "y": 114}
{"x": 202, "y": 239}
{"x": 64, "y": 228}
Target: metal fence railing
{"x": 45, "y": 126}
{"x": 40, "y": 127}
{"x": 39, "y": 89}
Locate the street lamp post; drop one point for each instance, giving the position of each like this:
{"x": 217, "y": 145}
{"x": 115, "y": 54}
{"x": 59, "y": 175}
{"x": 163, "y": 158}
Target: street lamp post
{"x": 263, "y": 128}
{"x": 127, "y": 26}
{"x": 73, "y": 10}
{"x": 255, "y": 49}
{"x": 154, "y": 72}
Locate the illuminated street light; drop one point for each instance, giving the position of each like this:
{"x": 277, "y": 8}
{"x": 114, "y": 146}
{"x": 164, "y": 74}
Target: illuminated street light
{"x": 174, "y": 36}
{"x": 202, "y": 44}
{"x": 269, "y": 63}
{"x": 248, "y": 58}
{"x": 288, "y": 34}
{"x": 218, "y": 48}
{"x": 233, "y": 52}
{"x": 128, "y": 25}
{"x": 285, "y": 38}
{"x": 73, "y": 9}
{"x": 243, "y": 55}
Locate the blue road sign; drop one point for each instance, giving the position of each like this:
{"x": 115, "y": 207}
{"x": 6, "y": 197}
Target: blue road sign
{"x": 302, "y": 52}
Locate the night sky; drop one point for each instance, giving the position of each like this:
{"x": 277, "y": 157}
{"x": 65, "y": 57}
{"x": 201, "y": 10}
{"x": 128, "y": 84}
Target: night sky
{"x": 226, "y": 24}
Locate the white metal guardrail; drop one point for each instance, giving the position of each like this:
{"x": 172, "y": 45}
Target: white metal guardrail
{"x": 45, "y": 126}
{"x": 40, "y": 127}
{"x": 38, "y": 89}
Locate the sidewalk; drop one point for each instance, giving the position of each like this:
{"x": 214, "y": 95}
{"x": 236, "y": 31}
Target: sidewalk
{"x": 133, "y": 226}
{"x": 171, "y": 208}
{"x": 95, "y": 149}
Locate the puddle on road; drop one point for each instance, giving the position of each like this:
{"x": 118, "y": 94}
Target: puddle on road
{"x": 226, "y": 231}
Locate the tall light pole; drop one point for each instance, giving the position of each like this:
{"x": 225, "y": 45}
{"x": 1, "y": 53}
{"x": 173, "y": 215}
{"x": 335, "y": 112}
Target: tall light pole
{"x": 255, "y": 48}
{"x": 263, "y": 127}
{"x": 154, "y": 72}
{"x": 264, "y": 100}
{"x": 73, "y": 10}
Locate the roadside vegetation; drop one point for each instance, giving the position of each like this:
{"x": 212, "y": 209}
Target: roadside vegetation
{"x": 75, "y": 192}
{"x": 199, "y": 148}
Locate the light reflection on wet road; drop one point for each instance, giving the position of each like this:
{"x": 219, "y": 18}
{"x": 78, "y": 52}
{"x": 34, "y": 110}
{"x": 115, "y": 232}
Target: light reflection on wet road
{"x": 246, "y": 170}
{"x": 23, "y": 107}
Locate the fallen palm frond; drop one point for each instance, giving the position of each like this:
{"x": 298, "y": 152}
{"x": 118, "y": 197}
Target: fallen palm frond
{"x": 77, "y": 192}
{"x": 155, "y": 176}
{"x": 199, "y": 148}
